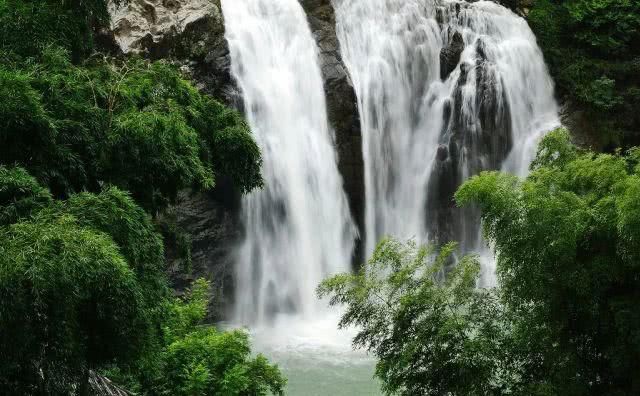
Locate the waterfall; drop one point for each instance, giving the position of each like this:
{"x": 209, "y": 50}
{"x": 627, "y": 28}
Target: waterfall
{"x": 298, "y": 228}
{"x": 445, "y": 89}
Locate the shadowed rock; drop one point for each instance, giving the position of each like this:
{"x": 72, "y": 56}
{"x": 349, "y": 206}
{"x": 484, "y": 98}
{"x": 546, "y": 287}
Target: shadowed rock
{"x": 450, "y": 55}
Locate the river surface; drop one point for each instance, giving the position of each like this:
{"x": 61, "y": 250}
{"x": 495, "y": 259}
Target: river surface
{"x": 316, "y": 359}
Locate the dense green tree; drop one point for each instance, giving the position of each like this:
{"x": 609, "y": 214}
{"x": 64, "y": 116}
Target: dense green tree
{"x": 568, "y": 248}
{"x": 431, "y": 336}
{"x": 27, "y": 25}
{"x": 205, "y": 361}
{"x": 198, "y": 359}
{"x": 133, "y": 124}
{"x": 591, "y": 47}
{"x": 20, "y": 195}
{"x": 83, "y": 287}
{"x": 565, "y": 318}
{"x": 70, "y": 303}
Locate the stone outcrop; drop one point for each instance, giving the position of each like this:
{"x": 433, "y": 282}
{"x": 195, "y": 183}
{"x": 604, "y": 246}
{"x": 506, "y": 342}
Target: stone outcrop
{"x": 342, "y": 107}
{"x": 187, "y": 32}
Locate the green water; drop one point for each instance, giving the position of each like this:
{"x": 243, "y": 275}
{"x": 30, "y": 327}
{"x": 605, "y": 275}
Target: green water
{"x": 311, "y": 375}
{"x": 316, "y": 358}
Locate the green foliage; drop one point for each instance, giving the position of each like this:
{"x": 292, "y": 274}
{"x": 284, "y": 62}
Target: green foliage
{"x": 20, "y": 195}
{"x": 209, "y": 362}
{"x": 432, "y": 336}
{"x": 592, "y": 49}
{"x": 83, "y": 287}
{"x": 26, "y": 26}
{"x": 565, "y": 319}
{"x": 185, "y": 314}
{"x": 132, "y": 124}
{"x": 69, "y": 303}
{"x": 568, "y": 243}
{"x": 196, "y": 359}
{"x": 204, "y": 361}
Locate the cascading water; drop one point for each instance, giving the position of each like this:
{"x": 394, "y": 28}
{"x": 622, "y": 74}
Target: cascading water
{"x": 445, "y": 89}
{"x": 298, "y": 228}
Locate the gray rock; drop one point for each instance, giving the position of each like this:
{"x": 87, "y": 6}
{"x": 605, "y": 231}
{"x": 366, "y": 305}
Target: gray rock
{"x": 211, "y": 221}
{"x": 342, "y": 107}
{"x": 138, "y": 25}
{"x": 187, "y": 32}
{"x": 450, "y": 55}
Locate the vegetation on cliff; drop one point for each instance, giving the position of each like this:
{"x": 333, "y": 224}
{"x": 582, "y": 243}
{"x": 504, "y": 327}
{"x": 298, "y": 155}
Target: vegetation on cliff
{"x": 564, "y": 319}
{"x": 92, "y": 148}
{"x": 592, "y": 48}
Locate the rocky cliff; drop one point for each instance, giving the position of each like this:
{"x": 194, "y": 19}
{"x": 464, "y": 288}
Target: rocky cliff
{"x": 190, "y": 33}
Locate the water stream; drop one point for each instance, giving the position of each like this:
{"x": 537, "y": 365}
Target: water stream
{"x": 298, "y": 229}
{"x": 445, "y": 89}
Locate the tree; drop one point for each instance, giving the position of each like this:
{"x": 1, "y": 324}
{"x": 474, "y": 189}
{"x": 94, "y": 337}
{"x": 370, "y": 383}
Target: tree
{"x": 568, "y": 248}
{"x": 431, "y": 335}
{"x": 70, "y": 303}
{"x": 591, "y": 49}
{"x": 133, "y": 124}
{"x": 20, "y": 195}
{"x": 564, "y": 319}
{"x": 26, "y": 26}
{"x": 195, "y": 359}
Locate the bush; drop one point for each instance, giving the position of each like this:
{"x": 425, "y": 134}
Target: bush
{"x": 565, "y": 318}
{"x": 568, "y": 243}
{"x": 132, "y": 124}
{"x": 70, "y": 303}
{"x": 196, "y": 359}
{"x": 26, "y": 26}
{"x": 591, "y": 48}
{"x": 20, "y": 195}
{"x": 431, "y": 337}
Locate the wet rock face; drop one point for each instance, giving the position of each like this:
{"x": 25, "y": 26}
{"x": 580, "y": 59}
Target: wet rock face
{"x": 211, "y": 220}
{"x": 450, "y": 55}
{"x": 342, "y": 106}
{"x": 466, "y": 148}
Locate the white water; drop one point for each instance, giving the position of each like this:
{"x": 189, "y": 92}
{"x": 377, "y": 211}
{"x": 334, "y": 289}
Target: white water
{"x": 298, "y": 228}
{"x": 392, "y": 49}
